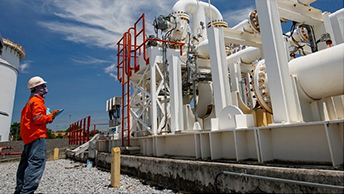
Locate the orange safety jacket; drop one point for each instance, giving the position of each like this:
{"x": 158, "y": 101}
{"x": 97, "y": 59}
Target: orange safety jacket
{"x": 34, "y": 119}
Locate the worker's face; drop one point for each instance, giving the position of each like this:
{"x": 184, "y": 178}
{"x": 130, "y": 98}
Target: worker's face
{"x": 42, "y": 90}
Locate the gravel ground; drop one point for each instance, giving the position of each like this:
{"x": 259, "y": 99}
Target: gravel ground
{"x": 66, "y": 176}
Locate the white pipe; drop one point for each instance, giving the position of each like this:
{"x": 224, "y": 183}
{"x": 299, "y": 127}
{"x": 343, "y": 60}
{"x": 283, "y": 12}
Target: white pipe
{"x": 199, "y": 11}
{"x": 244, "y": 26}
{"x": 205, "y": 98}
{"x": 248, "y": 55}
{"x": 191, "y": 6}
{"x": 320, "y": 74}
{"x": 203, "y": 49}
{"x": 213, "y": 13}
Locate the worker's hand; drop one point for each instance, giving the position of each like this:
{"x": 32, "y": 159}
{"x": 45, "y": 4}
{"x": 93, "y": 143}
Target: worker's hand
{"x": 54, "y": 113}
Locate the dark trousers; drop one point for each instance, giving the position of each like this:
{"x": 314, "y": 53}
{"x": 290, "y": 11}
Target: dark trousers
{"x": 31, "y": 166}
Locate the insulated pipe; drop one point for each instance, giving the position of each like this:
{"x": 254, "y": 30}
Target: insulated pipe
{"x": 320, "y": 74}
{"x": 205, "y": 99}
{"x": 244, "y": 26}
{"x": 250, "y": 25}
{"x": 248, "y": 55}
{"x": 191, "y": 6}
{"x": 199, "y": 11}
{"x": 203, "y": 49}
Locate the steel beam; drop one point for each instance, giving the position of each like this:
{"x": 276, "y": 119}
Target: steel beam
{"x": 275, "y": 54}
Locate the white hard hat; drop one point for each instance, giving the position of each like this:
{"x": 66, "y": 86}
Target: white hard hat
{"x": 35, "y": 81}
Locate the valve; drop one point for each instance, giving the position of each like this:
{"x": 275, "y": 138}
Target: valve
{"x": 162, "y": 23}
{"x": 261, "y": 86}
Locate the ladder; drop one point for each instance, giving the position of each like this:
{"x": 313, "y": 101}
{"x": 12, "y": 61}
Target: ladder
{"x": 127, "y": 64}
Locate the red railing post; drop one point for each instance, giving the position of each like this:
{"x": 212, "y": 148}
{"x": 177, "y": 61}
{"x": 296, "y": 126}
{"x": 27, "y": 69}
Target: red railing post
{"x": 84, "y": 131}
{"x": 77, "y": 132}
{"x": 80, "y": 130}
{"x": 88, "y": 127}
{"x": 74, "y": 133}
{"x": 72, "y": 130}
{"x": 69, "y": 136}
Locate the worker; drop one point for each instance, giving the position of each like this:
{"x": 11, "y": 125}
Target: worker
{"x": 33, "y": 131}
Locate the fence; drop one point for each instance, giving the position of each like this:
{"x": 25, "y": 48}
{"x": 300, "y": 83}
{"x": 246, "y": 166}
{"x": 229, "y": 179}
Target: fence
{"x": 80, "y": 131}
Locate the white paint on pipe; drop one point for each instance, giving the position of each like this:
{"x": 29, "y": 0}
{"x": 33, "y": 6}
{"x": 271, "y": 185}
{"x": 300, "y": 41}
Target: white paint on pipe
{"x": 320, "y": 74}
{"x": 199, "y": 11}
{"x": 203, "y": 49}
{"x": 205, "y": 98}
{"x": 248, "y": 55}
{"x": 244, "y": 26}
{"x": 191, "y": 6}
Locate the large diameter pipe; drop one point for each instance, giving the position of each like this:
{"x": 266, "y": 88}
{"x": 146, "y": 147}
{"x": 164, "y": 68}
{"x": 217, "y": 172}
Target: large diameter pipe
{"x": 191, "y": 6}
{"x": 244, "y": 26}
{"x": 199, "y": 10}
{"x": 203, "y": 49}
{"x": 247, "y": 55}
{"x": 320, "y": 74}
{"x": 205, "y": 99}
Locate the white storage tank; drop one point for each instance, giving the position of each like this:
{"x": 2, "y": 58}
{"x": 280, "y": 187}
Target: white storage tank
{"x": 10, "y": 58}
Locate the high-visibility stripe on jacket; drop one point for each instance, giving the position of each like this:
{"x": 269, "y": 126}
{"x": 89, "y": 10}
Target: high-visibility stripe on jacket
{"x": 34, "y": 120}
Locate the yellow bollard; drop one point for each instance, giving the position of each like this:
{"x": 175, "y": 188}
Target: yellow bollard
{"x": 56, "y": 153}
{"x": 115, "y": 166}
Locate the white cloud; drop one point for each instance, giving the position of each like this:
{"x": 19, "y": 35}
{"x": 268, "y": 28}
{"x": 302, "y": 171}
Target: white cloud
{"x": 24, "y": 66}
{"x": 83, "y": 34}
{"x": 88, "y": 60}
{"x": 113, "y": 75}
{"x": 111, "y": 70}
{"x": 101, "y": 23}
{"x": 234, "y": 17}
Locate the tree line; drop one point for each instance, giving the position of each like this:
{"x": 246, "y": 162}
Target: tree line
{"x": 15, "y": 133}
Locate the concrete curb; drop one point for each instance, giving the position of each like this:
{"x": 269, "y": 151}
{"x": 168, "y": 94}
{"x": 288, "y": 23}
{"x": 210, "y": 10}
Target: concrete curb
{"x": 199, "y": 176}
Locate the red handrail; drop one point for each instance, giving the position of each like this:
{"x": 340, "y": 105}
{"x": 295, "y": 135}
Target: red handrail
{"x": 125, "y": 65}
{"x": 80, "y": 131}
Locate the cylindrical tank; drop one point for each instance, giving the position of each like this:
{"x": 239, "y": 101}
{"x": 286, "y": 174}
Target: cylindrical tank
{"x": 12, "y": 54}
{"x": 320, "y": 74}
{"x": 205, "y": 99}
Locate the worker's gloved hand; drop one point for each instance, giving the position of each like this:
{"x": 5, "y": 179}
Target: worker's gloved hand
{"x": 54, "y": 113}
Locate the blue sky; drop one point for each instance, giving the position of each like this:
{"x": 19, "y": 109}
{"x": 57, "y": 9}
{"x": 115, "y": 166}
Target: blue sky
{"x": 72, "y": 45}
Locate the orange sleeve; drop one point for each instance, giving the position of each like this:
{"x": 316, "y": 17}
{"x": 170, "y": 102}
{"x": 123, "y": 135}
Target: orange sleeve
{"x": 39, "y": 115}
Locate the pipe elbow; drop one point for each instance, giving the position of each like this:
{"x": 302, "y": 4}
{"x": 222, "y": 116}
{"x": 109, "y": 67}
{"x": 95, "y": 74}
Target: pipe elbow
{"x": 203, "y": 49}
{"x": 188, "y": 6}
{"x": 213, "y": 13}
{"x": 191, "y": 6}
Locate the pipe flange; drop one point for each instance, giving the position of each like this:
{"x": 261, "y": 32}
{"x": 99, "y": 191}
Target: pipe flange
{"x": 303, "y": 33}
{"x": 182, "y": 15}
{"x": 253, "y": 21}
{"x": 218, "y": 23}
{"x": 261, "y": 86}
